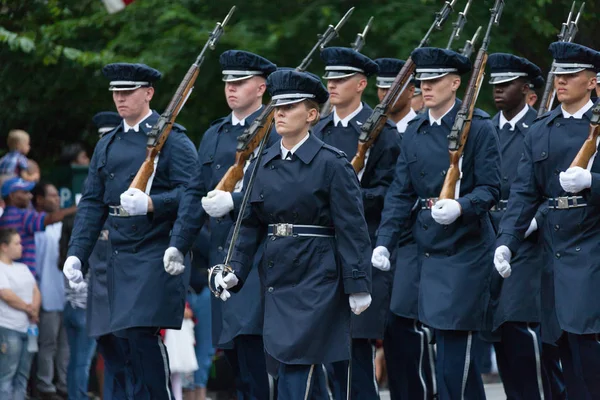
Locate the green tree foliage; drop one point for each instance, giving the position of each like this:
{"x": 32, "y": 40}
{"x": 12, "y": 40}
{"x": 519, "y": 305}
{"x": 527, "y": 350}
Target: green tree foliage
{"x": 52, "y": 51}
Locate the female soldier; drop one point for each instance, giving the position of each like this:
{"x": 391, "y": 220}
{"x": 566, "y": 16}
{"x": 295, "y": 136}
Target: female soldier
{"x": 307, "y": 199}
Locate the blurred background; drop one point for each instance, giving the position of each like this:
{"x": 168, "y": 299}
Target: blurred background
{"x": 52, "y": 51}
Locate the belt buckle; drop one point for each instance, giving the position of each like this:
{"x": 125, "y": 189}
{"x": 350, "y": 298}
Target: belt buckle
{"x": 119, "y": 211}
{"x": 431, "y": 202}
{"x": 284, "y": 229}
{"x": 562, "y": 203}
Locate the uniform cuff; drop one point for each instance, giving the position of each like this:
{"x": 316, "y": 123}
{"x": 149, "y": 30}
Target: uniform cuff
{"x": 163, "y": 204}
{"x": 508, "y": 240}
{"x": 357, "y": 282}
{"x": 467, "y": 209}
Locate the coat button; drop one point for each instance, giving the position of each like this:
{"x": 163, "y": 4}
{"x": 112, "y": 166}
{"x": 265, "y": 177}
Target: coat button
{"x": 505, "y": 178}
{"x": 270, "y": 289}
{"x": 261, "y": 196}
{"x": 543, "y": 154}
{"x": 556, "y": 172}
{"x": 112, "y": 176}
{"x": 557, "y": 124}
{"x": 116, "y": 252}
{"x": 577, "y": 248}
{"x": 118, "y": 137}
{"x": 422, "y": 173}
{"x": 558, "y": 255}
{"x": 226, "y": 130}
{"x": 220, "y": 248}
{"x": 444, "y": 173}
{"x": 273, "y": 238}
{"x": 271, "y": 263}
{"x": 272, "y": 166}
{"x": 556, "y": 227}
{"x": 218, "y": 166}
{"x": 425, "y": 227}
{"x": 427, "y": 255}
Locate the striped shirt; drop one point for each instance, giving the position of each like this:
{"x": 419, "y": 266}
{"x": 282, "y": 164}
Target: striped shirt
{"x": 27, "y": 222}
{"x": 13, "y": 163}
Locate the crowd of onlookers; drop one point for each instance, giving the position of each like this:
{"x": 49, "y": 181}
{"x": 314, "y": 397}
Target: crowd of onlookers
{"x": 45, "y": 349}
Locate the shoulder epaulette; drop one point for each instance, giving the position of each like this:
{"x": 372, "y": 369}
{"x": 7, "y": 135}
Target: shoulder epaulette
{"x": 180, "y": 128}
{"x": 216, "y": 121}
{"x": 334, "y": 150}
{"x": 480, "y": 114}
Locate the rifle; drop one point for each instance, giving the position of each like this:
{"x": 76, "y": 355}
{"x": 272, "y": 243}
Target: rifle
{"x": 372, "y": 127}
{"x": 469, "y": 46}
{"x": 161, "y": 130}
{"x": 357, "y": 45}
{"x": 567, "y": 34}
{"x": 590, "y": 146}
{"x": 459, "y": 25}
{"x": 261, "y": 126}
{"x": 462, "y": 123}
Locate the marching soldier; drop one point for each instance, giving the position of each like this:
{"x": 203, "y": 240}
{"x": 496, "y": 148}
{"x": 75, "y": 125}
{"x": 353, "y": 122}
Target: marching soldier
{"x": 408, "y": 354}
{"x": 454, "y": 237}
{"x": 518, "y": 314}
{"x": 142, "y": 296}
{"x": 573, "y": 221}
{"x": 315, "y": 262}
{"x": 346, "y": 73}
{"x": 236, "y": 325}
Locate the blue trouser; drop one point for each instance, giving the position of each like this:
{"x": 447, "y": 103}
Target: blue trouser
{"x": 200, "y": 305}
{"x": 247, "y": 360}
{"x": 409, "y": 358}
{"x": 364, "y": 385}
{"x": 301, "y": 382}
{"x": 137, "y": 364}
{"x": 580, "y": 357}
{"x": 15, "y": 363}
{"x": 519, "y": 360}
{"x": 554, "y": 381}
{"x": 457, "y": 372}
{"x": 81, "y": 350}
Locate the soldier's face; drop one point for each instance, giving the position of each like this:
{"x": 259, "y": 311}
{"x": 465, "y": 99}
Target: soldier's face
{"x": 571, "y": 88}
{"x": 344, "y": 91}
{"x": 416, "y": 103}
{"x": 402, "y": 101}
{"x": 294, "y": 119}
{"x": 133, "y": 104}
{"x": 437, "y": 93}
{"x": 510, "y": 95}
{"x": 243, "y": 94}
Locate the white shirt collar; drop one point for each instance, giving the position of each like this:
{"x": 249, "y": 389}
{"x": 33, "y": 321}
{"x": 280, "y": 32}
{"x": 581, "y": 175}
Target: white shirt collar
{"x": 284, "y": 151}
{"x": 516, "y": 118}
{"x": 433, "y": 121}
{"x": 579, "y": 113}
{"x": 136, "y": 127}
{"x": 403, "y": 123}
{"x": 242, "y": 122}
{"x": 346, "y": 120}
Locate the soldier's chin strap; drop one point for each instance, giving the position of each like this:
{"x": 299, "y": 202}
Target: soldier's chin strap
{"x": 225, "y": 268}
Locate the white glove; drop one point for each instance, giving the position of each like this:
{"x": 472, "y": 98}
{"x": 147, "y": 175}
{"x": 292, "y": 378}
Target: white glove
{"x": 72, "y": 269}
{"x": 381, "y": 258}
{"x": 575, "y": 179}
{"x": 359, "y": 302}
{"x": 227, "y": 282}
{"x": 78, "y": 287}
{"x": 173, "y": 261}
{"x": 502, "y": 258}
{"x": 135, "y": 202}
{"x": 532, "y": 228}
{"x": 217, "y": 203}
{"x": 445, "y": 211}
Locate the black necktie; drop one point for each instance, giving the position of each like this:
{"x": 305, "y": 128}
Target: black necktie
{"x": 289, "y": 156}
{"x": 505, "y": 126}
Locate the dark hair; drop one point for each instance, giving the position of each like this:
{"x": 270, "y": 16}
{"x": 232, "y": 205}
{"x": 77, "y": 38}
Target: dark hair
{"x": 40, "y": 189}
{"x": 6, "y": 235}
{"x": 70, "y": 152}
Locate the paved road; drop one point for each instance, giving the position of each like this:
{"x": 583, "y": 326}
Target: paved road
{"x": 493, "y": 391}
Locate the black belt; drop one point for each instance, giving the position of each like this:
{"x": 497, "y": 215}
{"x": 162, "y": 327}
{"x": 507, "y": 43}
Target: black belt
{"x": 117, "y": 211}
{"x": 501, "y": 206}
{"x": 427, "y": 204}
{"x": 563, "y": 203}
{"x": 283, "y": 230}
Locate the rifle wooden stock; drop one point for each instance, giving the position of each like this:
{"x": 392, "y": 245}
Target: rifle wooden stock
{"x": 162, "y": 129}
{"x": 588, "y": 149}
{"x": 235, "y": 173}
{"x": 358, "y": 161}
{"x": 462, "y": 127}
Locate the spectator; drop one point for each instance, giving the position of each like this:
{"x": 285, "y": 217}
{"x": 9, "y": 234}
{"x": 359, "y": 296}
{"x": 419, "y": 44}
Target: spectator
{"x": 53, "y": 355}
{"x": 180, "y": 347}
{"x": 74, "y": 154}
{"x": 15, "y": 163}
{"x": 17, "y": 196}
{"x": 19, "y": 305}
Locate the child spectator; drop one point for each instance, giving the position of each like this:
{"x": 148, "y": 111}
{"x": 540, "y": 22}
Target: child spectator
{"x": 19, "y": 307}
{"x": 15, "y": 163}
